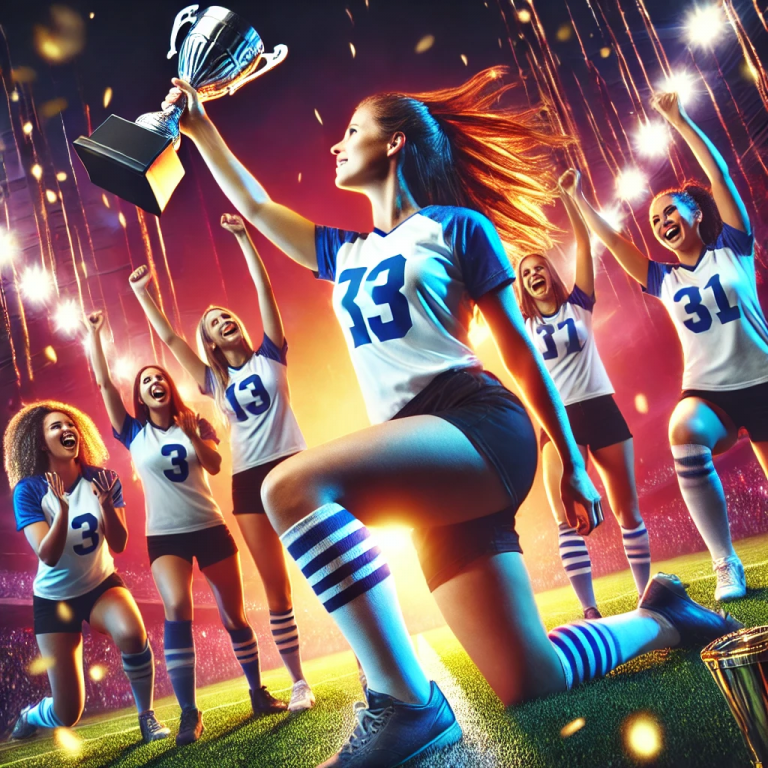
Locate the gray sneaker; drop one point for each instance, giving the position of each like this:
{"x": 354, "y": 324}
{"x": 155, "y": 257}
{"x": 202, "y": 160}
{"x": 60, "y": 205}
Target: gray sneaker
{"x": 389, "y": 732}
{"x": 151, "y": 728}
{"x": 731, "y": 582}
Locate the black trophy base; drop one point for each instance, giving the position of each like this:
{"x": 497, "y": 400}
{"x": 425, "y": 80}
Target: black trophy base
{"x": 134, "y": 163}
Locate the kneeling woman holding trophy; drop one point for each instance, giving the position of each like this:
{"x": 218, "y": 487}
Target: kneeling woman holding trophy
{"x": 450, "y": 449}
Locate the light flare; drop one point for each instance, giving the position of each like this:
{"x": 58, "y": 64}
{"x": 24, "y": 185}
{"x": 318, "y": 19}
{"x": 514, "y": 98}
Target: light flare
{"x": 97, "y": 673}
{"x": 524, "y": 16}
{"x": 632, "y": 185}
{"x": 36, "y": 284}
{"x": 464, "y": 59}
{"x": 570, "y": 728}
{"x": 641, "y": 403}
{"x": 352, "y": 50}
{"x": 652, "y": 139}
{"x": 50, "y": 196}
{"x": 27, "y": 128}
{"x": 61, "y": 176}
{"x": 682, "y": 83}
{"x": 68, "y": 317}
{"x": 68, "y": 741}
{"x": 123, "y": 368}
{"x": 37, "y": 171}
{"x": 64, "y": 613}
{"x": 40, "y": 665}
{"x": 319, "y": 119}
{"x": 704, "y": 25}
{"x": 107, "y": 97}
{"x": 643, "y": 736}
{"x": 8, "y": 246}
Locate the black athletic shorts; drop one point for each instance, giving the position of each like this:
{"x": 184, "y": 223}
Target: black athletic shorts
{"x": 209, "y": 546}
{"x": 246, "y": 488}
{"x": 596, "y": 423}
{"x": 747, "y": 408}
{"x": 69, "y": 615}
{"x": 496, "y": 423}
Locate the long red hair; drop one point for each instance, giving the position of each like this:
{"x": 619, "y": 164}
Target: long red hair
{"x": 140, "y": 408}
{"x": 463, "y": 149}
{"x": 528, "y": 306}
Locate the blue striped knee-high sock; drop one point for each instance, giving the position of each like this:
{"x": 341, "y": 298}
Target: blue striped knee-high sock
{"x": 577, "y": 564}
{"x": 180, "y": 661}
{"x": 43, "y": 716}
{"x": 246, "y": 649}
{"x": 139, "y": 668}
{"x": 637, "y": 548}
{"x": 586, "y": 649}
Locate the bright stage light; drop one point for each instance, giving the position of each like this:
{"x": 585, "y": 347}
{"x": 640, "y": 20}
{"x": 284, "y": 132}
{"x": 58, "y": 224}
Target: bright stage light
{"x": 614, "y": 217}
{"x": 704, "y": 25}
{"x": 8, "y": 246}
{"x": 36, "y": 284}
{"x": 652, "y": 139}
{"x": 643, "y": 736}
{"x": 123, "y": 368}
{"x": 632, "y": 185}
{"x": 682, "y": 83}
{"x": 68, "y": 317}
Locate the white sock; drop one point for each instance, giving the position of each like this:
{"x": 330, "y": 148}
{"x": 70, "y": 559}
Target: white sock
{"x": 637, "y": 548}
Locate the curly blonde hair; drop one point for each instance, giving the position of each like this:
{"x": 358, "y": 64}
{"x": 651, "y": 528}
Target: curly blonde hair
{"x": 23, "y": 442}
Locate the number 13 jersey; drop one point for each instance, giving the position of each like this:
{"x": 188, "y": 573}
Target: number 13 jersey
{"x": 405, "y": 298}
{"x": 716, "y": 313}
{"x": 257, "y": 403}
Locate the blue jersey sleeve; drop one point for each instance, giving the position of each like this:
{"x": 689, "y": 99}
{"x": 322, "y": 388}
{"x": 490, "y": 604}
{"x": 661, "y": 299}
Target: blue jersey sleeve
{"x": 737, "y": 241}
{"x": 27, "y": 501}
{"x": 328, "y": 241}
{"x": 581, "y": 299}
{"x": 131, "y": 427}
{"x": 483, "y": 260}
{"x": 206, "y": 430}
{"x": 656, "y": 274}
{"x": 269, "y": 349}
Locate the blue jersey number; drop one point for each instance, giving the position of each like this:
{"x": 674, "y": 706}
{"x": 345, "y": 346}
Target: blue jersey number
{"x": 91, "y": 525}
{"x": 703, "y": 322}
{"x": 178, "y": 454}
{"x": 548, "y": 331}
{"x": 389, "y": 294}
{"x": 259, "y": 400}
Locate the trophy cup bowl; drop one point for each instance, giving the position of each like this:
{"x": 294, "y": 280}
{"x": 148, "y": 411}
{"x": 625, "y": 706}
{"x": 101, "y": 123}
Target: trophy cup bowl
{"x": 739, "y": 663}
{"x": 137, "y": 161}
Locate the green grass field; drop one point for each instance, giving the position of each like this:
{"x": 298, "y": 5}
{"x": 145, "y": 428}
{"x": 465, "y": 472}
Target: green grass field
{"x": 674, "y": 687}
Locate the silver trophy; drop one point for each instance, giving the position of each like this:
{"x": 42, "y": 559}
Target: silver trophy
{"x": 137, "y": 161}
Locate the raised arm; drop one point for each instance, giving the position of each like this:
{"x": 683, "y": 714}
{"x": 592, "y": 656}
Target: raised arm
{"x": 729, "y": 203}
{"x": 109, "y": 393}
{"x": 585, "y": 268}
{"x": 632, "y": 259}
{"x": 538, "y": 390}
{"x": 139, "y": 280}
{"x": 289, "y": 231}
{"x": 270, "y": 314}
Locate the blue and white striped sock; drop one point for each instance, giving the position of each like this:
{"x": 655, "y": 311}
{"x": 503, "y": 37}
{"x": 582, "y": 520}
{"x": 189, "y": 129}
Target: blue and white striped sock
{"x": 246, "y": 648}
{"x": 350, "y": 576}
{"x": 180, "y": 661}
{"x": 139, "y": 668}
{"x": 284, "y": 631}
{"x": 637, "y": 548}
{"x": 703, "y": 494}
{"x": 587, "y": 649}
{"x": 577, "y": 564}
{"x": 43, "y": 716}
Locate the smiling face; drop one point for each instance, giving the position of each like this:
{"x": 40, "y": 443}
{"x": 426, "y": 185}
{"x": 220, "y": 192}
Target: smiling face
{"x": 223, "y": 329}
{"x": 62, "y": 440}
{"x": 537, "y": 278}
{"x": 361, "y": 156}
{"x": 154, "y": 390}
{"x": 675, "y": 222}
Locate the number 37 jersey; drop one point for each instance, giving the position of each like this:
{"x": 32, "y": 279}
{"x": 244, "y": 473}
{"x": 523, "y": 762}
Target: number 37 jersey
{"x": 405, "y": 298}
{"x": 85, "y": 561}
{"x": 257, "y": 403}
{"x": 716, "y": 313}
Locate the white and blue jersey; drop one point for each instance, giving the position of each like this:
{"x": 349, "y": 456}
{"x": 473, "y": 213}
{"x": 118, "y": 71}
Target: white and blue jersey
{"x": 716, "y": 313}
{"x": 86, "y": 560}
{"x": 257, "y": 403}
{"x": 567, "y": 344}
{"x": 176, "y": 491}
{"x": 405, "y": 298}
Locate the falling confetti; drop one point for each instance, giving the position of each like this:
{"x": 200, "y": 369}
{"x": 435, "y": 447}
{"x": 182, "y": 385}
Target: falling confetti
{"x": 121, "y": 219}
{"x": 91, "y": 15}
{"x": 104, "y": 200}
{"x": 51, "y": 357}
{"x": 107, "y": 97}
{"x": 40, "y": 665}
{"x": 464, "y": 59}
{"x": 27, "y": 128}
{"x": 319, "y": 119}
{"x": 570, "y": 728}
{"x": 63, "y": 39}
{"x": 352, "y": 49}
{"x": 643, "y": 736}
{"x": 61, "y": 176}
{"x": 349, "y": 13}
{"x": 36, "y": 171}
{"x": 299, "y": 177}
{"x": 36, "y": 286}
{"x": 50, "y": 196}
{"x": 425, "y": 43}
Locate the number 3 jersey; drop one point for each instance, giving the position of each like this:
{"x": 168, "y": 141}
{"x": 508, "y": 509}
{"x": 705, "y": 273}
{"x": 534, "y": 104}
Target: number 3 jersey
{"x": 257, "y": 402}
{"x": 716, "y": 313}
{"x": 86, "y": 560}
{"x": 405, "y": 298}
{"x": 176, "y": 492}
{"x": 567, "y": 344}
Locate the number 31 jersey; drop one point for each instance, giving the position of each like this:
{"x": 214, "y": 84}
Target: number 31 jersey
{"x": 405, "y": 298}
{"x": 85, "y": 561}
{"x": 567, "y": 344}
{"x": 176, "y": 492}
{"x": 716, "y": 313}
{"x": 257, "y": 403}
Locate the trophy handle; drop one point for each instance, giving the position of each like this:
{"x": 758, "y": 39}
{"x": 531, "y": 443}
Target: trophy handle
{"x": 182, "y": 17}
{"x": 270, "y": 60}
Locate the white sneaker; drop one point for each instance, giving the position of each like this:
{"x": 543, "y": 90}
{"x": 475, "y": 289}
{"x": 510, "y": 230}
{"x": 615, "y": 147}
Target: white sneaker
{"x": 301, "y": 697}
{"x": 731, "y": 582}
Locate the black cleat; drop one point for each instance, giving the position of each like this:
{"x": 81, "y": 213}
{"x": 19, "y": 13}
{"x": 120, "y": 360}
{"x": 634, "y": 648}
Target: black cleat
{"x": 23, "y": 729}
{"x": 151, "y": 728}
{"x": 190, "y": 727}
{"x": 264, "y": 703}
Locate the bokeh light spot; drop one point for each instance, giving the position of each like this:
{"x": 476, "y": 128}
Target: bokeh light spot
{"x": 564, "y": 32}
{"x": 632, "y": 185}
{"x": 319, "y": 119}
{"x": 643, "y": 736}
{"x": 40, "y": 665}
{"x": 63, "y": 39}
{"x": 425, "y": 43}
{"x": 605, "y": 52}
{"x": 64, "y": 612}
{"x": 50, "y": 196}
{"x": 97, "y": 673}
{"x": 570, "y": 728}
{"x": 107, "y": 96}
{"x": 641, "y": 403}
{"x": 68, "y": 741}
{"x": 524, "y": 15}
{"x": 36, "y": 284}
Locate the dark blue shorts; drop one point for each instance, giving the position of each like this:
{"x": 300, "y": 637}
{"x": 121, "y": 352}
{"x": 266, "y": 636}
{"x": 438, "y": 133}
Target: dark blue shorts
{"x": 596, "y": 423}
{"x": 208, "y": 545}
{"x": 495, "y": 422}
{"x": 747, "y": 408}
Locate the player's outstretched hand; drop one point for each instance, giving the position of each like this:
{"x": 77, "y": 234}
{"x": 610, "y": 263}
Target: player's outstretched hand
{"x": 668, "y": 106}
{"x": 581, "y": 500}
{"x": 102, "y": 484}
{"x": 188, "y": 423}
{"x": 194, "y": 113}
{"x": 140, "y": 278}
{"x": 94, "y": 322}
{"x": 56, "y": 484}
{"x": 570, "y": 182}
{"x": 232, "y": 223}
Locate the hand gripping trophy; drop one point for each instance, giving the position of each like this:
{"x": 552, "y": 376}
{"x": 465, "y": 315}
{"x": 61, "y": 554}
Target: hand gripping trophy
{"x": 137, "y": 161}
